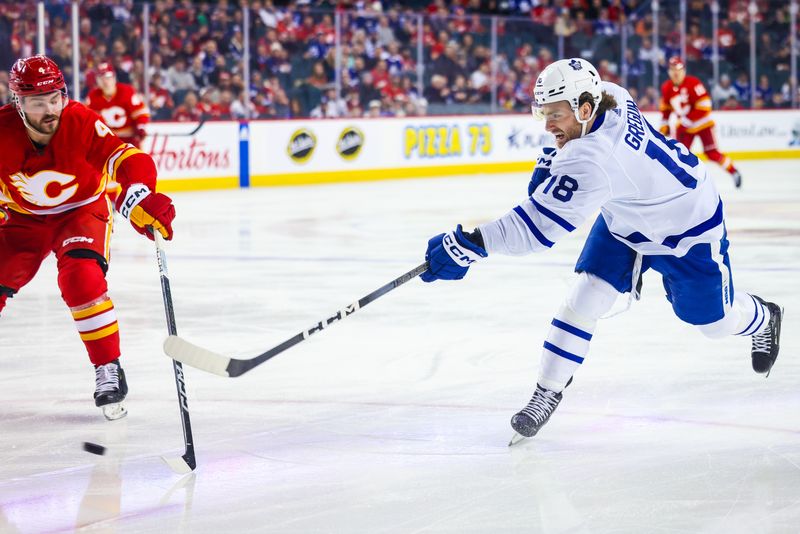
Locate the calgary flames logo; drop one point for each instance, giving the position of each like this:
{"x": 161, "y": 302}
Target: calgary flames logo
{"x": 45, "y": 188}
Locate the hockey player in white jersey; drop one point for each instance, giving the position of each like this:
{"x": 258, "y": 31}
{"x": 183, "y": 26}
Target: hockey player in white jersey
{"x": 658, "y": 210}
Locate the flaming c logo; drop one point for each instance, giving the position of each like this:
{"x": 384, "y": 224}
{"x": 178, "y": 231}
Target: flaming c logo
{"x": 45, "y": 188}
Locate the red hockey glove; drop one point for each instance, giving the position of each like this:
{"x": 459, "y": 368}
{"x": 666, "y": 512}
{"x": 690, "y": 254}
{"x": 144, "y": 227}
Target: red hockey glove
{"x": 4, "y": 216}
{"x": 145, "y": 210}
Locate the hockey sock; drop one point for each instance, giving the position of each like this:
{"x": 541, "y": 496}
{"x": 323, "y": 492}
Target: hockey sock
{"x": 747, "y": 316}
{"x": 565, "y": 348}
{"x": 754, "y": 316}
{"x": 83, "y": 288}
{"x": 567, "y": 342}
{"x": 720, "y": 158}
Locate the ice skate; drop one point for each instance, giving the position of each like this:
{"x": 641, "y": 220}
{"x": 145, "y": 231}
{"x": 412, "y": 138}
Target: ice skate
{"x": 533, "y": 417}
{"x": 110, "y": 390}
{"x": 766, "y": 343}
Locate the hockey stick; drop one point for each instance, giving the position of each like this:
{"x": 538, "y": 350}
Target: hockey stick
{"x": 181, "y": 134}
{"x": 190, "y": 354}
{"x": 187, "y": 462}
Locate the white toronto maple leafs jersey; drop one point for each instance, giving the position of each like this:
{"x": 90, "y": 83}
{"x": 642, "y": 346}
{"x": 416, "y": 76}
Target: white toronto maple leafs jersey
{"x": 654, "y": 195}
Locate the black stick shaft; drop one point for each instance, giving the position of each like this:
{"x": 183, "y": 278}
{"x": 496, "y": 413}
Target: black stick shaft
{"x": 180, "y": 382}
{"x": 239, "y": 367}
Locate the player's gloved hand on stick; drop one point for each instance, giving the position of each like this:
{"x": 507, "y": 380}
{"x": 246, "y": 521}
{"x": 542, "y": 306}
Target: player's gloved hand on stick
{"x": 542, "y": 170}
{"x": 144, "y": 209}
{"x": 450, "y": 255}
{"x": 4, "y": 215}
{"x": 664, "y": 128}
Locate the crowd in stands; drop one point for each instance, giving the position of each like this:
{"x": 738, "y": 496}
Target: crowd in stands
{"x": 197, "y": 49}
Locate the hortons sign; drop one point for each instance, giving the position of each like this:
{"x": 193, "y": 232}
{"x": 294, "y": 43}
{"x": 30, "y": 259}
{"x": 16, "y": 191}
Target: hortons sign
{"x": 301, "y": 145}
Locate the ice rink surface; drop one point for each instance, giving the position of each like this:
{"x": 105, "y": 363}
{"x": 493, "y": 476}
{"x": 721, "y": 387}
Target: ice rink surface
{"x": 397, "y": 419}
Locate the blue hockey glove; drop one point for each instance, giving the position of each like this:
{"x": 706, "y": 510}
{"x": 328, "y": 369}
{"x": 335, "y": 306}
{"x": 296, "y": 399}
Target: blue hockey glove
{"x": 450, "y": 255}
{"x": 542, "y": 170}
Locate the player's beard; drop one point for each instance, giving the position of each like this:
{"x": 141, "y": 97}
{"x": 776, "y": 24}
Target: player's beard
{"x": 47, "y": 125}
{"x": 566, "y": 135}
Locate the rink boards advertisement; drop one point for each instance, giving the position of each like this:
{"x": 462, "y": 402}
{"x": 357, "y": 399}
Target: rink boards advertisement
{"x": 292, "y": 152}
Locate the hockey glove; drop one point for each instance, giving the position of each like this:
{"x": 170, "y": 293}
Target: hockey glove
{"x": 146, "y": 210}
{"x": 664, "y": 128}
{"x": 450, "y": 255}
{"x": 542, "y": 170}
{"x": 4, "y": 216}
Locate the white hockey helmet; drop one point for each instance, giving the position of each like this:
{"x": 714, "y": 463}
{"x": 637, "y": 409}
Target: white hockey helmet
{"x": 567, "y": 79}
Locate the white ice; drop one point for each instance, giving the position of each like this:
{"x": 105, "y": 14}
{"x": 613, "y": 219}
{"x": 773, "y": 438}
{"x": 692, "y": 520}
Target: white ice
{"x": 397, "y": 419}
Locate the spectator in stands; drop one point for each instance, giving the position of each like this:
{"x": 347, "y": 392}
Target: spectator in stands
{"x": 731, "y": 103}
{"x": 330, "y": 107}
{"x": 650, "y": 54}
{"x": 374, "y": 109}
{"x": 318, "y": 77}
{"x": 188, "y": 110}
{"x": 723, "y": 90}
{"x": 480, "y": 81}
{"x": 460, "y": 93}
{"x": 742, "y": 86}
{"x": 161, "y": 102}
{"x": 178, "y": 78}
{"x": 241, "y": 108}
{"x": 447, "y": 64}
{"x": 764, "y": 89}
{"x": 438, "y": 92}
{"x": 366, "y": 89}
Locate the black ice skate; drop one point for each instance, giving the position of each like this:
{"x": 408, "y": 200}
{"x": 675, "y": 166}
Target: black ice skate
{"x": 533, "y": 417}
{"x": 766, "y": 344}
{"x": 110, "y": 390}
{"x": 737, "y": 179}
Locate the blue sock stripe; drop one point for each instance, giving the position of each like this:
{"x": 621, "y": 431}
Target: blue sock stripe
{"x": 759, "y": 325}
{"x": 572, "y": 330}
{"x": 758, "y": 307}
{"x": 532, "y": 227}
{"x": 561, "y": 352}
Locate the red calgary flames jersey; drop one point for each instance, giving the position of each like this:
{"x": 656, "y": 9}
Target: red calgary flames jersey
{"x": 72, "y": 169}
{"x": 125, "y": 112}
{"x": 689, "y": 101}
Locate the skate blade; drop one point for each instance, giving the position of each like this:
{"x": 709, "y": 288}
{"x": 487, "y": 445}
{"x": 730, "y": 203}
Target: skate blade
{"x": 114, "y": 411}
{"x": 516, "y": 438}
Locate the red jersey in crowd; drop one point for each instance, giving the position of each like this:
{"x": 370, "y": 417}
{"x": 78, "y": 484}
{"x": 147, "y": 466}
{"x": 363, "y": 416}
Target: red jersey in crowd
{"x": 71, "y": 170}
{"x": 689, "y": 101}
{"x": 125, "y": 112}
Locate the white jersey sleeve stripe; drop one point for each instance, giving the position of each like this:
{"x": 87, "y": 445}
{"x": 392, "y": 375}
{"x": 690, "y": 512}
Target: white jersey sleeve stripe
{"x": 532, "y": 227}
{"x": 563, "y": 223}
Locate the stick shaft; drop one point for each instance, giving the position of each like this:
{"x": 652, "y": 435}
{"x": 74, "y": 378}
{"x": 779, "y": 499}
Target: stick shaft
{"x": 180, "y": 382}
{"x": 237, "y": 367}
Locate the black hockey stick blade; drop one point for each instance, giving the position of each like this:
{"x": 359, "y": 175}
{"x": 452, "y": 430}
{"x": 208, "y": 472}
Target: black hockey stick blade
{"x": 193, "y": 355}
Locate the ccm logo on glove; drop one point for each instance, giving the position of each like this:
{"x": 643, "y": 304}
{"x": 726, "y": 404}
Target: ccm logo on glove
{"x": 135, "y": 194}
{"x": 461, "y": 257}
{"x": 147, "y": 210}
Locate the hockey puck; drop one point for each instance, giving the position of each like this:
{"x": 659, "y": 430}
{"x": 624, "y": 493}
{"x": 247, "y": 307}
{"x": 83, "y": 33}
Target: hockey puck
{"x": 94, "y": 448}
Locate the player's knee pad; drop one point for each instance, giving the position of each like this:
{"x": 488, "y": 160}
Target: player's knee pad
{"x": 81, "y": 279}
{"x": 5, "y": 293}
{"x": 591, "y": 297}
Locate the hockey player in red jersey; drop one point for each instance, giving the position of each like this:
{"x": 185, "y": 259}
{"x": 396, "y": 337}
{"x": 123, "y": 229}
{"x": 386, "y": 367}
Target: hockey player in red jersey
{"x": 686, "y": 97}
{"x": 57, "y": 158}
{"x": 121, "y": 108}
